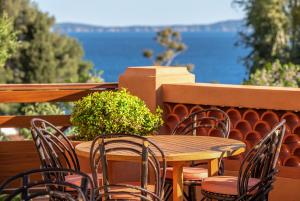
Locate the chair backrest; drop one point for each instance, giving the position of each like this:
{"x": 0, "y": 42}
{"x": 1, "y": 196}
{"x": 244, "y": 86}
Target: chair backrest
{"x": 211, "y": 121}
{"x": 147, "y": 153}
{"x": 54, "y": 148}
{"x": 260, "y": 162}
{"x": 34, "y": 184}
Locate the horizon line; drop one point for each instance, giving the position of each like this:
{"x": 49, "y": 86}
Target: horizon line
{"x": 150, "y": 25}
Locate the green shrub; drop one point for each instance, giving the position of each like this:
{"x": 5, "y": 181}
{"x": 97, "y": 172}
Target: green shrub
{"x": 113, "y": 112}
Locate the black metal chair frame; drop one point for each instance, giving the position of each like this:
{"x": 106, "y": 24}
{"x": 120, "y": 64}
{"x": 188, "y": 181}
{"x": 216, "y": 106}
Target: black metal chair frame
{"x": 140, "y": 146}
{"x": 260, "y": 162}
{"x": 189, "y": 126}
{"x": 48, "y": 185}
{"x": 54, "y": 148}
{"x": 195, "y": 120}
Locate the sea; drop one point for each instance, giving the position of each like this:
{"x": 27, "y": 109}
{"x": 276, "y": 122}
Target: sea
{"x": 214, "y": 54}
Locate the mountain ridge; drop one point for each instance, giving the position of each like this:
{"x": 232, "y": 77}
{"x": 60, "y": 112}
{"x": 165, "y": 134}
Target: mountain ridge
{"x": 222, "y": 26}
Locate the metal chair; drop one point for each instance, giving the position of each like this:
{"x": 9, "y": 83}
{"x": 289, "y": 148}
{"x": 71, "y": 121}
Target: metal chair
{"x": 150, "y": 157}
{"x": 55, "y": 149}
{"x": 256, "y": 175}
{"x": 214, "y": 122}
{"x": 46, "y": 183}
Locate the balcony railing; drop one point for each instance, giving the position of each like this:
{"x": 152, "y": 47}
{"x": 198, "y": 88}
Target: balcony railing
{"x": 18, "y": 156}
{"x": 33, "y": 93}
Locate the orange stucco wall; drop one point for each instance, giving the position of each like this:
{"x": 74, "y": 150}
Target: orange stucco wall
{"x": 253, "y": 111}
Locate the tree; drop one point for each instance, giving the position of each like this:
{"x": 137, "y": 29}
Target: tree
{"x": 173, "y": 46}
{"x": 294, "y": 9}
{"x": 8, "y": 41}
{"x": 276, "y": 74}
{"x": 268, "y": 39}
{"x": 45, "y": 56}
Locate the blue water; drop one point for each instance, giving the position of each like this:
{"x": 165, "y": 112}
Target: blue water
{"x": 215, "y": 57}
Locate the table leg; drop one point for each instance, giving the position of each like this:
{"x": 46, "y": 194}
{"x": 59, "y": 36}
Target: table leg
{"x": 178, "y": 181}
{"x": 213, "y": 167}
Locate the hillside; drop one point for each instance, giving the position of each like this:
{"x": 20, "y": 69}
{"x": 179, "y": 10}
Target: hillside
{"x": 224, "y": 26}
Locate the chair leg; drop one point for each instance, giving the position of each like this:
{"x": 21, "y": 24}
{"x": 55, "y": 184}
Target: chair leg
{"x": 168, "y": 191}
{"x": 186, "y": 196}
{"x": 192, "y": 193}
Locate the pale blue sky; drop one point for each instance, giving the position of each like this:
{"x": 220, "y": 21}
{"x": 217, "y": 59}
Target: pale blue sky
{"x": 140, "y": 12}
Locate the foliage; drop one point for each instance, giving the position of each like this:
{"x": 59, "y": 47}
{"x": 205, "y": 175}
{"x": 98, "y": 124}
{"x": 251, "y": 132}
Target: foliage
{"x": 173, "y": 46}
{"x": 113, "y": 112}
{"x": 269, "y": 35}
{"x": 39, "y": 109}
{"x": 8, "y": 40}
{"x": 45, "y": 56}
{"x": 42, "y": 109}
{"x": 95, "y": 76}
{"x": 294, "y": 8}
{"x": 276, "y": 74}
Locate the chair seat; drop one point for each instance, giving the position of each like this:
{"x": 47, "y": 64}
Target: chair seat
{"x": 150, "y": 188}
{"x": 226, "y": 185}
{"x": 76, "y": 179}
{"x": 189, "y": 173}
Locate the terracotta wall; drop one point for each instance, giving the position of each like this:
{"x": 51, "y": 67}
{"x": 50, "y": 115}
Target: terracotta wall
{"x": 253, "y": 112}
{"x": 248, "y": 125}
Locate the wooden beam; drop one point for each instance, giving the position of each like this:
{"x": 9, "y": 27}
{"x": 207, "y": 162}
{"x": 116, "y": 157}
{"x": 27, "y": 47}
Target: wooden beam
{"x": 24, "y": 121}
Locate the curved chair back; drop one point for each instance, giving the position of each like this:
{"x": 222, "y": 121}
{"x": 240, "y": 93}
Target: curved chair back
{"x": 260, "y": 162}
{"x": 207, "y": 119}
{"x": 34, "y": 184}
{"x": 147, "y": 153}
{"x": 54, "y": 148}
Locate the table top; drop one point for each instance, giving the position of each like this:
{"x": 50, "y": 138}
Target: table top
{"x": 180, "y": 148}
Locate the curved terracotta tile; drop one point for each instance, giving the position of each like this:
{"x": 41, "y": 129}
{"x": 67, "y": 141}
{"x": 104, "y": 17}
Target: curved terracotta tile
{"x": 262, "y": 127}
{"x": 202, "y": 131}
{"x": 180, "y": 110}
{"x": 215, "y": 133}
{"x": 284, "y": 152}
{"x": 270, "y": 117}
{"x": 253, "y": 137}
{"x": 292, "y": 120}
{"x": 171, "y": 121}
{"x": 234, "y": 116}
{"x": 251, "y": 116}
{"x": 167, "y": 108}
{"x": 236, "y": 134}
{"x": 292, "y": 138}
{"x": 292, "y": 162}
{"x": 215, "y": 114}
{"x": 195, "y": 108}
{"x": 292, "y": 141}
{"x": 296, "y": 130}
{"x": 248, "y": 146}
{"x": 296, "y": 151}
{"x": 287, "y": 131}
{"x": 243, "y": 126}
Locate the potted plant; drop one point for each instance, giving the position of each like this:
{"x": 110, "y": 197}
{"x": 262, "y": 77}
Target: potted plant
{"x": 111, "y": 112}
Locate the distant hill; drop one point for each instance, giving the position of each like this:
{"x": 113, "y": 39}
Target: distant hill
{"x": 224, "y": 26}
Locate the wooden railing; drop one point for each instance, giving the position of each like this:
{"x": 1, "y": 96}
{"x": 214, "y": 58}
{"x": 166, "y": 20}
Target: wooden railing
{"x": 33, "y": 93}
{"x": 18, "y": 156}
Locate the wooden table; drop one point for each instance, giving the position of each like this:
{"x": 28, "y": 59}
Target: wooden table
{"x": 182, "y": 149}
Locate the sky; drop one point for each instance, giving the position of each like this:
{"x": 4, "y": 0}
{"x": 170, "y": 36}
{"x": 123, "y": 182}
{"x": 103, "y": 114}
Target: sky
{"x": 140, "y": 12}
